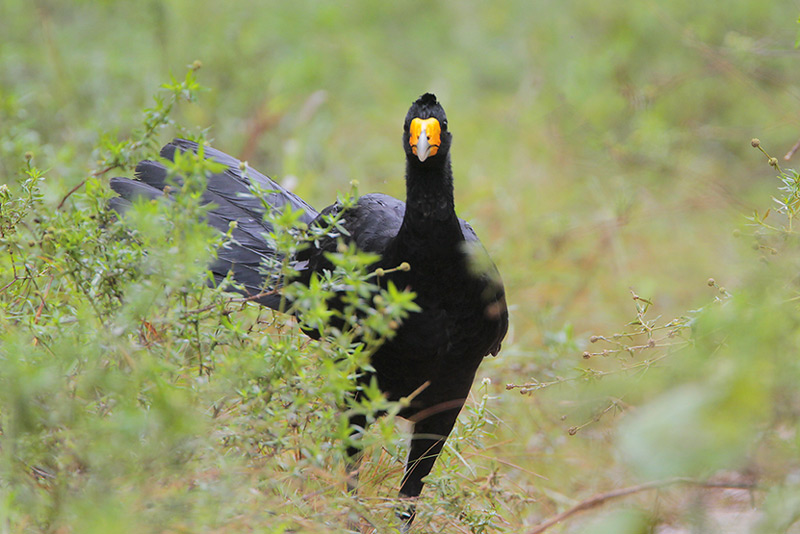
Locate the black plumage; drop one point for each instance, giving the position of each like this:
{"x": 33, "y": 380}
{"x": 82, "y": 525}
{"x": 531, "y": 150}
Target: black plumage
{"x": 463, "y": 316}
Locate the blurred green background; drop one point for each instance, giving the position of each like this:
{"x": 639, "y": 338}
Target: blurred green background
{"x": 599, "y": 147}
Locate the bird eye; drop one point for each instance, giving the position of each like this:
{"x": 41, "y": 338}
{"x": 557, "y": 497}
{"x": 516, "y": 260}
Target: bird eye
{"x": 444, "y": 124}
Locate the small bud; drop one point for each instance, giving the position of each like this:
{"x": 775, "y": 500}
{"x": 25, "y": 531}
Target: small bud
{"x": 711, "y": 282}
{"x": 354, "y": 183}
{"x": 755, "y": 142}
{"x": 773, "y": 162}
{"x": 572, "y": 430}
{"x": 233, "y": 224}
{"x": 594, "y": 339}
{"x": 486, "y": 381}
{"x": 587, "y": 355}
{"x": 651, "y": 343}
{"x": 28, "y": 156}
{"x": 405, "y": 266}
{"x": 379, "y": 272}
{"x": 341, "y": 248}
{"x": 722, "y": 290}
{"x": 196, "y": 65}
{"x": 378, "y": 300}
{"x": 393, "y": 324}
{"x": 242, "y": 165}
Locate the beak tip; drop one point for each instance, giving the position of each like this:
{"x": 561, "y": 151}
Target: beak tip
{"x": 423, "y": 147}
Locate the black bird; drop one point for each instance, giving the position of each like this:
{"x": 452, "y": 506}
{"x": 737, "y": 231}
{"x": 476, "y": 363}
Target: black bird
{"x": 463, "y": 315}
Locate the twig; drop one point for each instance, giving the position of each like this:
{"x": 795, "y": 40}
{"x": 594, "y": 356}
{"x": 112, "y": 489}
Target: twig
{"x": 43, "y": 298}
{"x": 11, "y": 283}
{"x": 602, "y": 498}
{"x": 254, "y": 297}
{"x": 791, "y": 152}
{"x": 526, "y": 389}
{"x": 95, "y": 174}
{"x": 61, "y": 204}
{"x": 231, "y": 301}
{"x": 615, "y": 403}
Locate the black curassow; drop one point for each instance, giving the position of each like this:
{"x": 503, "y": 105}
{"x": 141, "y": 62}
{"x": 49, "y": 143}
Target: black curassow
{"x": 463, "y": 315}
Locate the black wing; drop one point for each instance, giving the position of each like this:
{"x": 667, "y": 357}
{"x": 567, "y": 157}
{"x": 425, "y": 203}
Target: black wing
{"x": 231, "y": 193}
{"x": 494, "y": 294}
{"x": 371, "y": 224}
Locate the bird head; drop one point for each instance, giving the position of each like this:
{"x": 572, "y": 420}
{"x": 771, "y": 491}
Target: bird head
{"x": 425, "y": 134}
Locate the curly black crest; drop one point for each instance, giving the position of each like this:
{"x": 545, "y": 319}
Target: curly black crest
{"x": 428, "y": 99}
{"x": 426, "y": 106}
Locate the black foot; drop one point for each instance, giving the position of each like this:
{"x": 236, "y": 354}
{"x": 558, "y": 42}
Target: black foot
{"x": 406, "y": 513}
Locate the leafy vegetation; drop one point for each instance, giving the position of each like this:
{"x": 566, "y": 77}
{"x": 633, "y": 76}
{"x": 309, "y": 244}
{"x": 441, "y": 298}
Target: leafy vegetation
{"x": 602, "y": 152}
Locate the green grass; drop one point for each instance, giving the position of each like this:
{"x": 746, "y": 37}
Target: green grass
{"x": 600, "y": 149}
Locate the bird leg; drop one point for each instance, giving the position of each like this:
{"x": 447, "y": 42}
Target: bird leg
{"x": 427, "y": 441}
{"x": 358, "y": 423}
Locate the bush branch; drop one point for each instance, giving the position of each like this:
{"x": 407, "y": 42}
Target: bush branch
{"x": 602, "y": 498}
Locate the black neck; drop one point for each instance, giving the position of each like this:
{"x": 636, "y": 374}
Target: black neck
{"x": 430, "y": 226}
{"x": 429, "y": 192}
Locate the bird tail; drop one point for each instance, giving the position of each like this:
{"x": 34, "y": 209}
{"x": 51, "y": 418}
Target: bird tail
{"x": 231, "y": 193}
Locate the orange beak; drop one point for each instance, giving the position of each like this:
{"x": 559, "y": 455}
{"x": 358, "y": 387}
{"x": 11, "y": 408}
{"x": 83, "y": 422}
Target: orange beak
{"x": 425, "y": 137}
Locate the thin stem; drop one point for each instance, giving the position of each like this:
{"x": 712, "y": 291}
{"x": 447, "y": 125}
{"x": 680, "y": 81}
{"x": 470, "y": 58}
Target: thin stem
{"x": 602, "y": 498}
